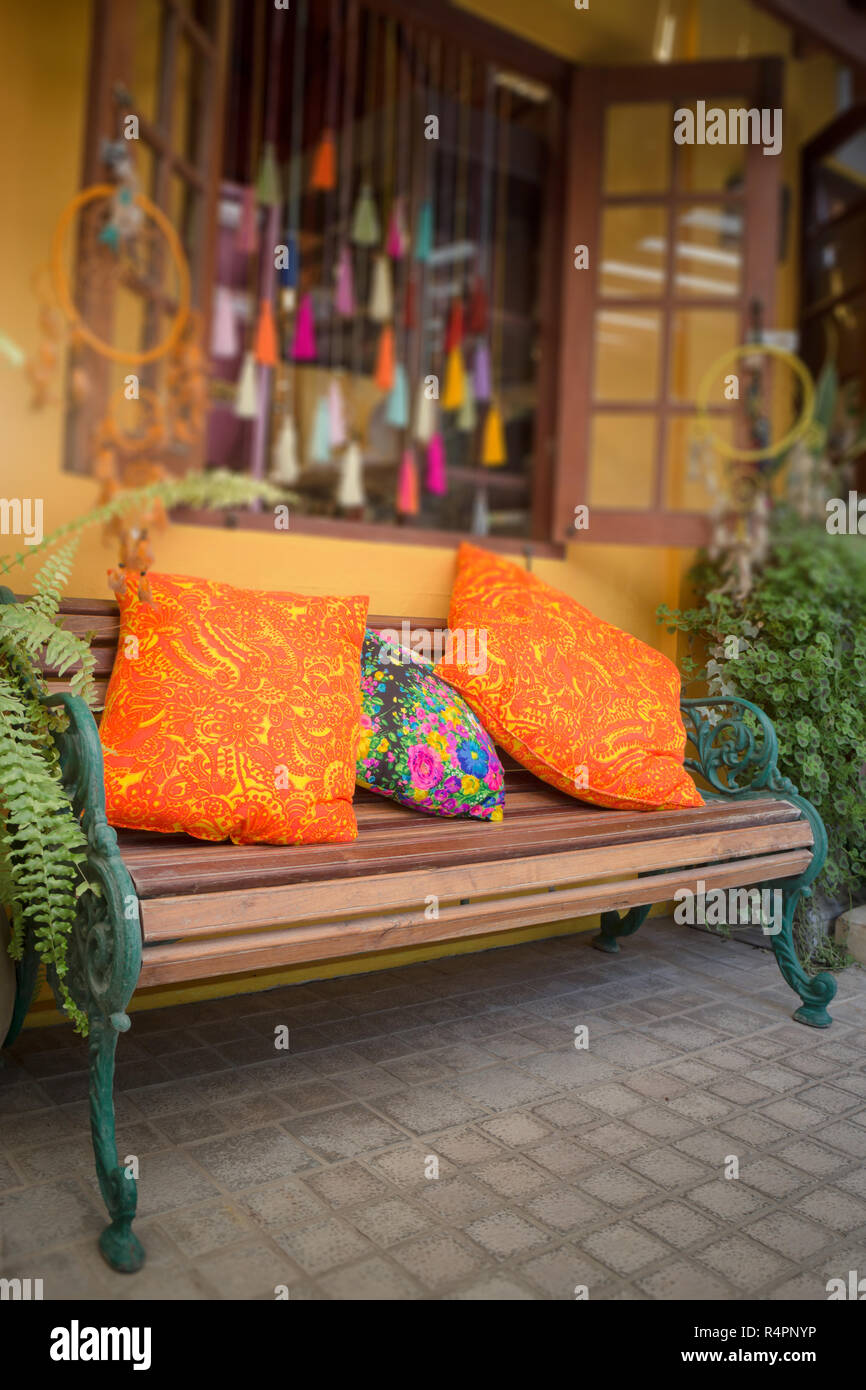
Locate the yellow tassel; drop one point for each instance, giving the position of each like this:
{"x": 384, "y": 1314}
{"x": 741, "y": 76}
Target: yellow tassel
{"x": 493, "y": 443}
{"x": 455, "y": 381}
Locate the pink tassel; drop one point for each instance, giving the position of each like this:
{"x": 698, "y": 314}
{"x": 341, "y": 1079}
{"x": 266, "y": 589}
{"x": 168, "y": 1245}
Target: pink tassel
{"x": 436, "y": 480}
{"x": 247, "y": 236}
{"x": 345, "y": 292}
{"x": 304, "y": 344}
{"x": 396, "y": 243}
{"x": 407, "y": 486}
{"x": 337, "y": 415}
{"x": 225, "y": 341}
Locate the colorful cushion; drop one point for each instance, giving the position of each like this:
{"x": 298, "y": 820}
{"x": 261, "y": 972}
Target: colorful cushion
{"x": 420, "y": 743}
{"x": 583, "y": 705}
{"x": 234, "y": 713}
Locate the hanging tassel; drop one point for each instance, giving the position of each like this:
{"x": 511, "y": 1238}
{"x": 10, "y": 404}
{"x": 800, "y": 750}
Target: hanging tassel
{"x": 350, "y": 490}
{"x": 410, "y": 308}
{"x": 344, "y": 296}
{"x": 366, "y": 230}
{"x": 478, "y": 309}
{"x": 436, "y": 480}
{"x": 336, "y": 415}
{"x": 454, "y": 334}
{"x": 455, "y": 381}
{"x": 424, "y": 232}
{"x": 397, "y": 237}
{"x": 381, "y": 307}
{"x": 247, "y": 234}
{"x": 467, "y": 419}
{"x": 407, "y": 485}
{"x": 266, "y": 336}
{"x": 480, "y": 514}
{"x": 323, "y": 175}
{"x": 225, "y": 341}
{"x": 304, "y": 344}
{"x": 247, "y": 393}
{"x": 268, "y": 190}
{"x": 397, "y": 412}
{"x": 385, "y": 359}
{"x": 284, "y": 456}
{"x": 493, "y": 451}
{"x": 320, "y": 440}
{"x": 481, "y": 373}
{"x": 425, "y": 416}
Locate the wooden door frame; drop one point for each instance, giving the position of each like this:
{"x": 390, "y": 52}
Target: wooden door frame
{"x": 759, "y": 82}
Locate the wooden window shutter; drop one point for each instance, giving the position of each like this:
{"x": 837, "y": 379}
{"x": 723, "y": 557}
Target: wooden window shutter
{"x": 682, "y": 243}
{"x": 166, "y": 63}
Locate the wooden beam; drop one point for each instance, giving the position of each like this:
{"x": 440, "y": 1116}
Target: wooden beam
{"x": 833, "y": 23}
{"x": 195, "y": 959}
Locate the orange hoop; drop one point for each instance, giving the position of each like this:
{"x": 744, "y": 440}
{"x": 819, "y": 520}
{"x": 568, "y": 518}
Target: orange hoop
{"x": 78, "y": 326}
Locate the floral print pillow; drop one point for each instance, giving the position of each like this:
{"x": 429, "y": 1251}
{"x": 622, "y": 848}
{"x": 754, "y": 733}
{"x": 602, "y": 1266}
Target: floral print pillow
{"x": 420, "y": 742}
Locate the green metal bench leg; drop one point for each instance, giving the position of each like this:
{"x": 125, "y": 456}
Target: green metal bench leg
{"x": 118, "y": 1243}
{"x": 815, "y": 991}
{"x": 614, "y": 926}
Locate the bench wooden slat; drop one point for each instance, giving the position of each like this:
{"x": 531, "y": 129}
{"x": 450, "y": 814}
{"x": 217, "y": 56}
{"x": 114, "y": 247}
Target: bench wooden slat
{"x": 171, "y": 916}
{"x": 196, "y": 958}
{"x": 387, "y": 844}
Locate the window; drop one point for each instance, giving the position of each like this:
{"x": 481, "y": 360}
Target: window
{"x": 682, "y": 243}
{"x": 263, "y": 128}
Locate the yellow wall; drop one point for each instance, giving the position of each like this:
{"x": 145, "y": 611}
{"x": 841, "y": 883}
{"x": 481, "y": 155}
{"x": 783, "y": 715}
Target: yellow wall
{"x": 42, "y": 100}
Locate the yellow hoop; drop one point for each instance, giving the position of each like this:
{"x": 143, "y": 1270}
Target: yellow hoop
{"x": 798, "y": 429}
{"x": 90, "y": 195}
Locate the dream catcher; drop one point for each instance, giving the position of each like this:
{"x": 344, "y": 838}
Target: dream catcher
{"x": 737, "y": 479}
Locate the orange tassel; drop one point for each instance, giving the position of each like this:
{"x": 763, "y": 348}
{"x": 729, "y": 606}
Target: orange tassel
{"x": 385, "y": 360}
{"x": 323, "y": 176}
{"x": 266, "y": 336}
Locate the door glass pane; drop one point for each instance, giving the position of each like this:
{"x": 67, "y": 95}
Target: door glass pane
{"x": 708, "y": 251}
{"x": 698, "y": 339}
{"x": 837, "y": 260}
{"x": 688, "y": 488}
{"x": 842, "y": 177}
{"x": 627, "y": 355}
{"x": 637, "y": 148}
{"x": 704, "y": 167}
{"x": 621, "y": 461}
{"x": 633, "y": 241}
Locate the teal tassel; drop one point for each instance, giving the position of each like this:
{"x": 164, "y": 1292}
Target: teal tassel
{"x": 320, "y": 444}
{"x": 424, "y": 232}
{"x": 397, "y": 412}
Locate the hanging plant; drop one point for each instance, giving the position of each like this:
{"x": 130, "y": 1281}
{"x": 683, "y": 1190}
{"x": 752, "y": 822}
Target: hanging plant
{"x": 43, "y": 847}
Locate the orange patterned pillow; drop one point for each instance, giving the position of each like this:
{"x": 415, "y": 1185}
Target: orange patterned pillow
{"x": 234, "y": 713}
{"x": 583, "y": 705}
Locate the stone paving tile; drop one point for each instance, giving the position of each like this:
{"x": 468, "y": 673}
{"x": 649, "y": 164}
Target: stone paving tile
{"x": 435, "y": 1134}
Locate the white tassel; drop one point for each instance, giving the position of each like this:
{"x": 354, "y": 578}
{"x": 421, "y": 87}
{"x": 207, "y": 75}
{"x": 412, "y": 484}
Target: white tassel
{"x": 426, "y": 416}
{"x": 337, "y": 414}
{"x": 284, "y": 456}
{"x": 247, "y": 393}
{"x": 381, "y": 308}
{"x": 350, "y": 490}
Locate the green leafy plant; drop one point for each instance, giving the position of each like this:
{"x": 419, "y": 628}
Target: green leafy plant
{"x": 43, "y": 849}
{"x": 796, "y": 646}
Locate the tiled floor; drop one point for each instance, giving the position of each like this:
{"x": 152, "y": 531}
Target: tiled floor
{"x": 434, "y": 1132}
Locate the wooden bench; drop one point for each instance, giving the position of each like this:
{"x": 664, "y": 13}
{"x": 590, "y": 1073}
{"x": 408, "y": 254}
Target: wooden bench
{"x": 177, "y": 909}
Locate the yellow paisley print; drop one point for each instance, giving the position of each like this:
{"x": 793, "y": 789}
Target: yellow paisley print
{"x": 234, "y": 713}
{"x": 586, "y": 707}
